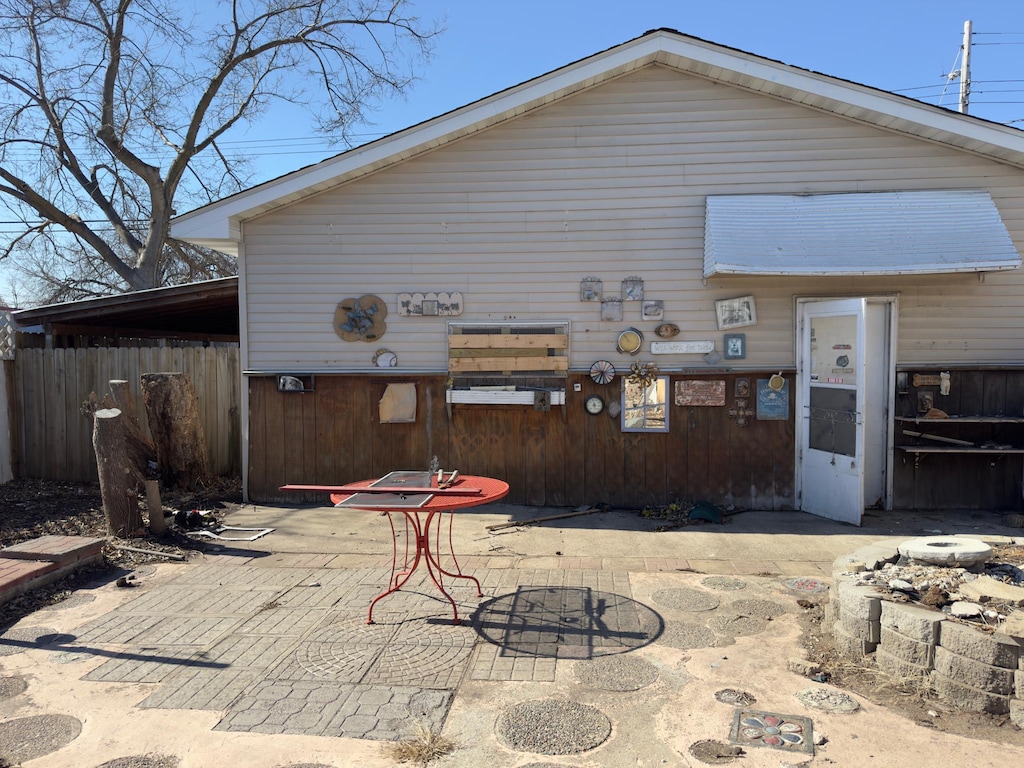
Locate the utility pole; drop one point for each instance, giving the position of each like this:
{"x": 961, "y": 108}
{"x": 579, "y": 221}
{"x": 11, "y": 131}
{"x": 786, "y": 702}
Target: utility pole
{"x": 965, "y": 70}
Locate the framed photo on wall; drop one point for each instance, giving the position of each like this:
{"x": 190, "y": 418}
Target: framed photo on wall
{"x": 735, "y": 313}
{"x": 735, "y": 346}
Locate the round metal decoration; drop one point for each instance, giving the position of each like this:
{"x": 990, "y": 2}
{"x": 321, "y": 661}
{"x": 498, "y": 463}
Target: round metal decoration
{"x": 385, "y": 358}
{"x": 602, "y": 372}
{"x": 594, "y": 405}
{"x": 630, "y": 341}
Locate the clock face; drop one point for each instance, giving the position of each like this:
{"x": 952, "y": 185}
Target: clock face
{"x": 594, "y": 404}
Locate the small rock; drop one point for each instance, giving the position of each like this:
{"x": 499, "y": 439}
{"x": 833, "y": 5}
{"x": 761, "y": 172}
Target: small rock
{"x": 963, "y": 610}
{"x": 820, "y": 739}
{"x": 901, "y": 586}
{"x": 856, "y": 567}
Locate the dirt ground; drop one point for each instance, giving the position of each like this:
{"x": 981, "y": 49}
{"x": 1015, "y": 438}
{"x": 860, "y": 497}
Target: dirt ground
{"x": 33, "y": 508}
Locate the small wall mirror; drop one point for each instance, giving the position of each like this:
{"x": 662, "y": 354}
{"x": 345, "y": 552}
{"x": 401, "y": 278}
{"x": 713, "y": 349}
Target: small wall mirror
{"x": 645, "y": 407}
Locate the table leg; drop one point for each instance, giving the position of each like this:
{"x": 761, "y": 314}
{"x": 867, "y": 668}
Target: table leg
{"x": 398, "y": 578}
{"x": 433, "y": 557}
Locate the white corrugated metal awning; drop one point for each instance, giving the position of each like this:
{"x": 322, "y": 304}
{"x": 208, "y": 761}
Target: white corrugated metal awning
{"x": 875, "y": 233}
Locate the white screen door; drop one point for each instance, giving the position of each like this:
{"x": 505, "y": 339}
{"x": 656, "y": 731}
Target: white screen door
{"x": 832, "y": 380}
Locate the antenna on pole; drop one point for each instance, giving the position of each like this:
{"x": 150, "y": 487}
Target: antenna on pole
{"x": 965, "y": 70}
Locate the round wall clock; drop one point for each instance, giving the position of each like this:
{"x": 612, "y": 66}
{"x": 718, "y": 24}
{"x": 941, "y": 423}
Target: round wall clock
{"x": 630, "y": 341}
{"x": 602, "y": 372}
{"x": 594, "y": 404}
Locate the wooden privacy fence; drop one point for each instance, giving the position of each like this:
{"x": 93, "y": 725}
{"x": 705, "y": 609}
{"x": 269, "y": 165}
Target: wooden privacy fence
{"x": 54, "y": 438}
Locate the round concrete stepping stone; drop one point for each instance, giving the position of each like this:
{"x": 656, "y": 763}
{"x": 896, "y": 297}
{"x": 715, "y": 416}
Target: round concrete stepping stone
{"x": 545, "y": 765}
{"x": 724, "y": 583}
{"x": 145, "y": 761}
{"x": 828, "y": 700}
{"x": 946, "y": 550}
{"x": 764, "y": 609}
{"x": 18, "y": 639}
{"x": 685, "y": 599}
{"x": 72, "y": 601}
{"x": 686, "y": 636}
{"x": 736, "y": 625}
{"x": 30, "y": 737}
{"x": 306, "y": 765}
{"x": 616, "y": 673}
{"x": 735, "y": 697}
{"x": 552, "y": 727}
{"x": 12, "y": 686}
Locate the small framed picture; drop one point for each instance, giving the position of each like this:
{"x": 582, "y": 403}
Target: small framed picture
{"x": 652, "y": 310}
{"x": 735, "y": 346}
{"x": 735, "y": 313}
{"x": 611, "y": 308}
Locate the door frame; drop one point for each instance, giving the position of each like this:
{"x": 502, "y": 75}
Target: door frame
{"x": 890, "y": 300}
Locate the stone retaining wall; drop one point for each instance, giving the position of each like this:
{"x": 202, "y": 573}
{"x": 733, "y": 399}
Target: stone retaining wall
{"x": 974, "y": 670}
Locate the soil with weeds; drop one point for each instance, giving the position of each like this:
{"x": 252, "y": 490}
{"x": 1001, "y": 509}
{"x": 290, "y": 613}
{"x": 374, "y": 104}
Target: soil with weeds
{"x": 34, "y": 508}
{"x": 911, "y": 698}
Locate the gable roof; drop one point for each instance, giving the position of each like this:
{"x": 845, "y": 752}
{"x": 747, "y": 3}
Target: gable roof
{"x": 217, "y": 225}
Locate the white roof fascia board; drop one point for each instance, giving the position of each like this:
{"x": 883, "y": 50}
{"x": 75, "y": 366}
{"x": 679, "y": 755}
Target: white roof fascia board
{"x": 217, "y": 222}
{"x": 870, "y": 233}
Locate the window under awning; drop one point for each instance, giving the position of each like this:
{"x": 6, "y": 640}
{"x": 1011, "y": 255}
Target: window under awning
{"x": 875, "y": 233}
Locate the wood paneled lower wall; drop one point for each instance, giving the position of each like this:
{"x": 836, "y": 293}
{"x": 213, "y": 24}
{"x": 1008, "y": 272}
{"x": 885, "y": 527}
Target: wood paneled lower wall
{"x": 560, "y": 457}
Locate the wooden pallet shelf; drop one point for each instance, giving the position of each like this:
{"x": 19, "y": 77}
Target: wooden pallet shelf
{"x": 508, "y": 350}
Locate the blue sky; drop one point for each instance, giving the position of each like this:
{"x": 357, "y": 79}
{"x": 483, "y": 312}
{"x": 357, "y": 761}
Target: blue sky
{"x": 488, "y": 46}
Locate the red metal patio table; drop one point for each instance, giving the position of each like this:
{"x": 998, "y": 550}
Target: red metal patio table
{"x": 424, "y": 523}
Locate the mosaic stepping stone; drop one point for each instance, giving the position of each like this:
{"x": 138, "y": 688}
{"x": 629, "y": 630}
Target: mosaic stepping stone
{"x": 807, "y": 584}
{"x": 790, "y": 733}
{"x": 552, "y": 727}
{"x": 828, "y": 700}
{"x": 735, "y": 697}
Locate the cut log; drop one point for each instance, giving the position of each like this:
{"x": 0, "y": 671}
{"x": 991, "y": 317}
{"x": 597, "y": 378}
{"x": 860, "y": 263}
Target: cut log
{"x": 140, "y": 449}
{"x": 173, "y": 414}
{"x": 120, "y": 505}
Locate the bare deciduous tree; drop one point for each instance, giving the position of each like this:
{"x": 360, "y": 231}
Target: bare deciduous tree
{"x": 112, "y": 113}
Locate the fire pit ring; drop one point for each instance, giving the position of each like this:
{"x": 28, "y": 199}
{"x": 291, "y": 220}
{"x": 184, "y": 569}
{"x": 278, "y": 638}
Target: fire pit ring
{"x": 946, "y": 550}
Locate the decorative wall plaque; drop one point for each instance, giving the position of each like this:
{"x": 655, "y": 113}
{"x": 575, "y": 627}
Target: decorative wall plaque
{"x": 429, "y": 304}
{"x": 700, "y": 392}
{"x": 652, "y": 310}
{"x": 591, "y": 289}
{"x": 633, "y": 289}
{"x": 681, "y": 347}
{"x": 361, "y": 319}
{"x": 611, "y": 308}
{"x": 772, "y": 405}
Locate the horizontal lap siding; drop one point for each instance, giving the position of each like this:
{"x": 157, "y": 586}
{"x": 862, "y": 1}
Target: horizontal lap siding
{"x": 611, "y": 182}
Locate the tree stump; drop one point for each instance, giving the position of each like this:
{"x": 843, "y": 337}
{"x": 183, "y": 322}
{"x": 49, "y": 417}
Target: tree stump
{"x": 177, "y": 431}
{"x": 119, "y": 504}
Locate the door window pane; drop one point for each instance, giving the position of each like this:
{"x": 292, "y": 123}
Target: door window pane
{"x": 832, "y": 421}
{"x": 834, "y": 350}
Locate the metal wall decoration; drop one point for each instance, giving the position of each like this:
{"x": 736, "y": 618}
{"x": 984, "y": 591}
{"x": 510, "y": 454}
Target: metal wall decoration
{"x": 611, "y": 308}
{"x": 652, "y": 310}
{"x": 591, "y": 289}
{"x": 429, "y": 304}
{"x": 667, "y": 330}
{"x": 361, "y": 319}
{"x": 630, "y": 341}
{"x": 602, "y": 372}
{"x": 633, "y": 288}
{"x": 643, "y": 374}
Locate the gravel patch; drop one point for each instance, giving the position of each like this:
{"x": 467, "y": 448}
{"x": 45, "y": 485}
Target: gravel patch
{"x": 546, "y": 765}
{"x": 143, "y": 761}
{"x": 552, "y": 727}
{"x": 685, "y": 636}
{"x": 686, "y": 599}
{"x": 764, "y": 609}
{"x": 20, "y": 639}
{"x": 306, "y": 765}
{"x": 30, "y": 737}
{"x": 724, "y": 583}
{"x": 12, "y": 686}
{"x": 736, "y": 625}
{"x": 828, "y": 700}
{"x": 616, "y": 673}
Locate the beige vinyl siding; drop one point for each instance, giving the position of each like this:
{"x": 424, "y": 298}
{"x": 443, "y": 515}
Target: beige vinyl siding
{"x": 611, "y": 183}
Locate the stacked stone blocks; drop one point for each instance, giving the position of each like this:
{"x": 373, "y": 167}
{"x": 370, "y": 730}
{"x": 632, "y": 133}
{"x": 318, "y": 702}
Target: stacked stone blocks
{"x": 972, "y": 669}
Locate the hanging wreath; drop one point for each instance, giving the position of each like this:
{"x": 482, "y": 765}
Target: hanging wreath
{"x": 643, "y": 374}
